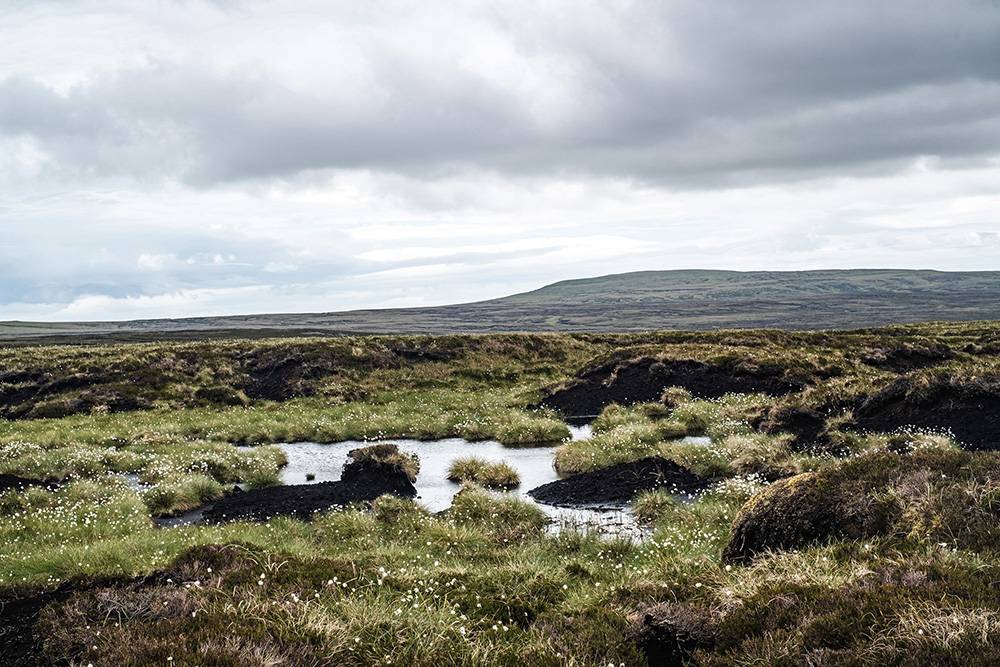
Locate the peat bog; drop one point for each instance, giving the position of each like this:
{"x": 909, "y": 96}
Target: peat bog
{"x": 805, "y": 497}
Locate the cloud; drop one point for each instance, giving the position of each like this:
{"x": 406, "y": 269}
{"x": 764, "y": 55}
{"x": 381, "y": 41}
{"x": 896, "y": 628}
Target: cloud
{"x": 246, "y": 156}
{"x": 681, "y": 94}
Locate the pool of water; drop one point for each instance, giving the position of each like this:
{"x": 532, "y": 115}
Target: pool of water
{"x": 534, "y": 465}
{"x": 325, "y": 462}
{"x": 312, "y": 463}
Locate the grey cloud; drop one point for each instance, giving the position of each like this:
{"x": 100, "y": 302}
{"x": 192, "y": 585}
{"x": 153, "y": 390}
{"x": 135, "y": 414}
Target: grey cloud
{"x": 84, "y": 259}
{"x": 687, "y": 94}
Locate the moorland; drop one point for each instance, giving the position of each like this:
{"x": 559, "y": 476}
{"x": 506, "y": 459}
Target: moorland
{"x": 840, "y": 507}
{"x": 638, "y": 301}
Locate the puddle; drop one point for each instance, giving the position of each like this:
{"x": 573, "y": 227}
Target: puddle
{"x": 186, "y": 519}
{"x": 133, "y": 481}
{"x": 312, "y": 463}
{"x": 324, "y": 462}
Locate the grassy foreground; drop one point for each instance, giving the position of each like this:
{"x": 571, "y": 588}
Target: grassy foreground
{"x": 906, "y": 577}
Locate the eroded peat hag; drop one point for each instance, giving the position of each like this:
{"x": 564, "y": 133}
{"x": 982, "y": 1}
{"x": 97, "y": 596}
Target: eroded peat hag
{"x": 774, "y": 514}
{"x": 966, "y": 407}
{"x": 619, "y": 484}
{"x": 644, "y": 380}
{"x": 369, "y": 473}
{"x": 125, "y": 378}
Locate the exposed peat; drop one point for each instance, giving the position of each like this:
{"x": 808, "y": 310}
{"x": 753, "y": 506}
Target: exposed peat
{"x": 643, "y": 380}
{"x": 618, "y": 484}
{"x": 364, "y": 479}
{"x": 969, "y": 410}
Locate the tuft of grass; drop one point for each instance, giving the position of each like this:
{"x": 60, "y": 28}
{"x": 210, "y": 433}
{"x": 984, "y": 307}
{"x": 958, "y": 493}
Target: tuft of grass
{"x": 489, "y": 474}
{"x": 508, "y": 519}
{"x": 181, "y": 494}
{"x": 621, "y": 435}
{"x": 389, "y": 454}
{"x": 651, "y": 505}
{"x": 259, "y": 479}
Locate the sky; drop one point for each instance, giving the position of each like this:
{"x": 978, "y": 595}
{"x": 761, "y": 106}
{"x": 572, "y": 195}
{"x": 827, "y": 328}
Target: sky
{"x": 185, "y": 158}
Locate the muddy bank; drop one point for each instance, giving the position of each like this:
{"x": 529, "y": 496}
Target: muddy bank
{"x": 16, "y": 483}
{"x": 372, "y": 472}
{"x": 21, "y": 641}
{"x": 644, "y": 379}
{"x": 807, "y": 426}
{"x": 280, "y": 373}
{"x": 617, "y": 485}
{"x": 969, "y": 410}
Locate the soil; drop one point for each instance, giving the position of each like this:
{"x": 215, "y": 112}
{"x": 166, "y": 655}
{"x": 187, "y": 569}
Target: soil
{"x": 643, "y": 380}
{"x": 20, "y": 642}
{"x": 969, "y": 411}
{"x": 276, "y": 376}
{"x": 808, "y": 426}
{"x": 667, "y": 633}
{"x": 367, "y": 482}
{"x": 908, "y": 357}
{"x": 8, "y": 482}
{"x": 615, "y": 486}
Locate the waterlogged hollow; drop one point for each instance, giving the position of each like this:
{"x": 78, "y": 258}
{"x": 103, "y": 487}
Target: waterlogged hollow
{"x": 312, "y": 463}
{"x": 435, "y": 491}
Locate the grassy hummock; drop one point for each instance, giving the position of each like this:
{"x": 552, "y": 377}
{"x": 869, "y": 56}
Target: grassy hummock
{"x": 492, "y": 475}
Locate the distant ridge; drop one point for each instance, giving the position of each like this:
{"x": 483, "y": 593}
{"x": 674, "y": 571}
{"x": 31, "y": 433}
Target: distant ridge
{"x": 644, "y": 300}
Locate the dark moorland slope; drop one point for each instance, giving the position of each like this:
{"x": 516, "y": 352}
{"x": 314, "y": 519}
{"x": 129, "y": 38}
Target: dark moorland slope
{"x": 648, "y": 300}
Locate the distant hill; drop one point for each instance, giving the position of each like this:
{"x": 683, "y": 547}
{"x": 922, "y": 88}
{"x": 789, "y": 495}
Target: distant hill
{"x": 623, "y": 302}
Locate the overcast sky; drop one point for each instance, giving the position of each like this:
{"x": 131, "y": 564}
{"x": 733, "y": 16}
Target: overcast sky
{"x": 163, "y": 159}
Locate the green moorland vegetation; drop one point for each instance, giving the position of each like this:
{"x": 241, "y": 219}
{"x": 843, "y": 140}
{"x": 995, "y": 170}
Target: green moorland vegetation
{"x": 853, "y": 519}
{"x": 638, "y": 301}
{"x": 491, "y": 475}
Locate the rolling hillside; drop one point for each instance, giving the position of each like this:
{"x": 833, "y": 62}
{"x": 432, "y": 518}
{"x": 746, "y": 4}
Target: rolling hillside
{"x": 696, "y": 299}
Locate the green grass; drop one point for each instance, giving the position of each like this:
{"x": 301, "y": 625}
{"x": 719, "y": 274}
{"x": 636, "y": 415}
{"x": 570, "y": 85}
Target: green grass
{"x": 623, "y": 434}
{"x": 637, "y": 301}
{"x": 423, "y": 415}
{"x": 182, "y": 494}
{"x": 492, "y": 475}
{"x": 487, "y": 582}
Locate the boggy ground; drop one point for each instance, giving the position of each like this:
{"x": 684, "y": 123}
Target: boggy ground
{"x": 844, "y": 519}
{"x": 372, "y": 472}
{"x": 619, "y": 484}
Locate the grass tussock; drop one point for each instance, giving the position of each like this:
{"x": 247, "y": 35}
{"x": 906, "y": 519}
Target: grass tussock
{"x": 181, "y": 494}
{"x": 488, "y": 474}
